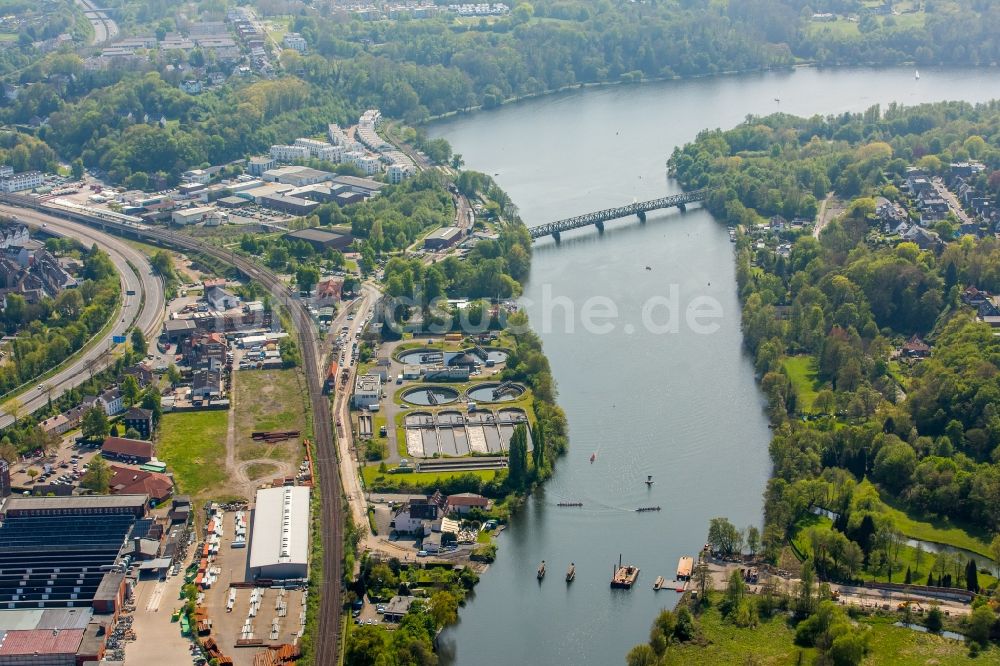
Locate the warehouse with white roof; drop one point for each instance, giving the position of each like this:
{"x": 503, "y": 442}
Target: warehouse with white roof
{"x": 280, "y": 540}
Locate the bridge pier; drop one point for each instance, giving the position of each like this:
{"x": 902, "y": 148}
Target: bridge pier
{"x": 682, "y": 207}
{"x": 555, "y": 235}
{"x": 600, "y": 226}
{"x": 642, "y": 216}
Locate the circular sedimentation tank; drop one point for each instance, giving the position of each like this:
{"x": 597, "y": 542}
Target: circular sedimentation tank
{"x": 424, "y": 356}
{"x": 430, "y": 395}
{"x": 485, "y": 392}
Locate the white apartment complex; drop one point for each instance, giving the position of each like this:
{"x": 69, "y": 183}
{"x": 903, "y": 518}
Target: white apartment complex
{"x": 289, "y": 153}
{"x": 19, "y": 182}
{"x": 321, "y": 149}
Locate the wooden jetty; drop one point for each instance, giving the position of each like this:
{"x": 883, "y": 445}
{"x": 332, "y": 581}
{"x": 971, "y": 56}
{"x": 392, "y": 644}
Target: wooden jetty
{"x": 541, "y": 570}
{"x": 571, "y": 573}
{"x": 624, "y": 576}
{"x": 659, "y": 583}
{"x": 684, "y": 567}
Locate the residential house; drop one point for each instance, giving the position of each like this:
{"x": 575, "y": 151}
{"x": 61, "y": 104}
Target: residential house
{"x": 16, "y": 235}
{"x": 330, "y": 289}
{"x": 397, "y": 608}
{"x": 416, "y": 516}
{"x": 52, "y": 274}
{"x": 924, "y": 239}
{"x": 140, "y": 420}
{"x": 127, "y": 450}
{"x": 57, "y": 424}
{"x": 917, "y": 182}
{"x": 111, "y": 401}
{"x": 294, "y": 41}
{"x": 17, "y": 280}
{"x": 916, "y": 348}
{"x": 205, "y": 350}
{"x": 220, "y": 299}
{"x": 206, "y": 385}
{"x": 143, "y": 375}
{"x": 463, "y": 503}
{"x": 975, "y": 297}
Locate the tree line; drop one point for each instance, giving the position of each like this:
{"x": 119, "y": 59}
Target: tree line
{"x": 867, "y": 428}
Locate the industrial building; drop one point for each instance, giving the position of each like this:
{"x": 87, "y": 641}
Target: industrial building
{"x": 367, "y": 391}
{"x": 190, "y": 215}
{"x": 256, "y": 166}
{"x": 280, "y": 541}
{"x": 55, "y": 552}
{"x": 79, "y": 505}
{"x": 287, "y": 204}
{"x": 322, "y": 239}
{"x": 297, "y": 175}
{"x": 442, "y": 238}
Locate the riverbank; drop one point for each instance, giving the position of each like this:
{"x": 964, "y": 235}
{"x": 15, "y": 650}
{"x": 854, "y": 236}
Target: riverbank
{"x": 772, "y": 640}
{"x": 642, "y": 402}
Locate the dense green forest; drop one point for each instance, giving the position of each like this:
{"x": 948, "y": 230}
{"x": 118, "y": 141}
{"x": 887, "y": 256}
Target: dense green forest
{"x": 136, "y": 125}
{"x": 881, "y": 440}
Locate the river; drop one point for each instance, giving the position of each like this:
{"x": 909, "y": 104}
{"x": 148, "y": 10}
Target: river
{"x": 677, "y": 402}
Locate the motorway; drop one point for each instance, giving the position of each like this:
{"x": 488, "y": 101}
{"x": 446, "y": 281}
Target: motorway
{"x": 105, "y": 29}
{"x": 328, "y": 630}
{"x": 143, "y": 310}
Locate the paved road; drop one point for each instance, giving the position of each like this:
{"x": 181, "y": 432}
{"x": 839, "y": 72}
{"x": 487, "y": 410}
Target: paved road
{"x": 327, "y": 638}
{"x": 143, "y": 310}
{"x": 953, "y": 203}
{"x": 105, "y": 29}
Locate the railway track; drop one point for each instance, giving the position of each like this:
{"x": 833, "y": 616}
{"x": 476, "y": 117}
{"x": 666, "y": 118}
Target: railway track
{"x": 327, "y": 638}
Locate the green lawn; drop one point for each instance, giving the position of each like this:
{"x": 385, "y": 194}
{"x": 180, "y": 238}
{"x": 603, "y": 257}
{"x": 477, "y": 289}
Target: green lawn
{"x": 840, "y": 28}
{"x": 936, "y": 532}
{"x": 801, "y": 371}
{"x": 907, "y": 558}
{"x": 371, "y": 475}
{"x": 772, "y": 643}
{"x": 768, "y": 643}
{"x": 193, "y": 445}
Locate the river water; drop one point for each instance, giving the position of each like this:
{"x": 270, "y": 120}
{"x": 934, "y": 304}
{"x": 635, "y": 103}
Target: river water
{"x": 650, "y": 390}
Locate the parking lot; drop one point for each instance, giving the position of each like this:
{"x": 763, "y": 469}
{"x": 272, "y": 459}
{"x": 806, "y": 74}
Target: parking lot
{"x": 64, "y": 466}
{"x": 272, "y": 608}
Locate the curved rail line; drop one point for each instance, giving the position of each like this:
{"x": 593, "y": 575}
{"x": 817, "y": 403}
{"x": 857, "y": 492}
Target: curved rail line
{"x": 328, "y": 630}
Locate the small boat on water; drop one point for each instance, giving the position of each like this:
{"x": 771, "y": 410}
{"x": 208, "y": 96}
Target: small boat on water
{"x": 684, "y": 567}
{"x": 570, "y": 504}
{"x": 624, "y": 576}
{"x": 649, "y": 480}
{"x": 660, "y": 582}
{"x": 642, "y": 509}
{"x": 916, "y": 74}
{"x": 593, "y": 456}
{"x": 571, "y": 572}
{"x": 541, "y": 570}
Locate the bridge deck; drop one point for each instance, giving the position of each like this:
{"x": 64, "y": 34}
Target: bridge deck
{"x": 616, "y": 213}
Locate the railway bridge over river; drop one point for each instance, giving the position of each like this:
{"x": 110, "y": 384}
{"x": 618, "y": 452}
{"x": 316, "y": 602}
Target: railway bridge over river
{"x": 598, "y": 218}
